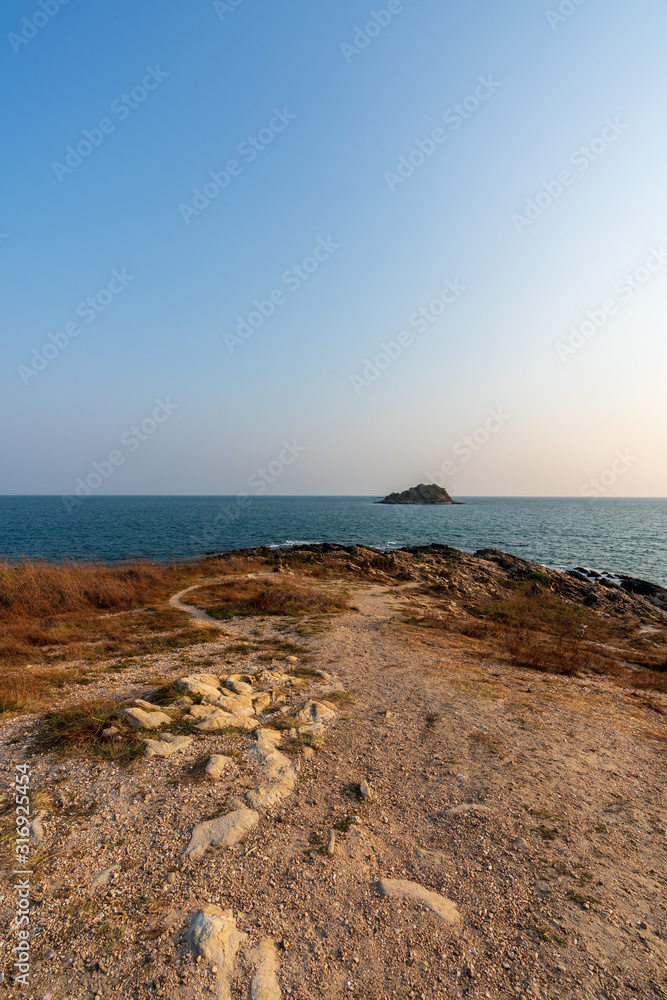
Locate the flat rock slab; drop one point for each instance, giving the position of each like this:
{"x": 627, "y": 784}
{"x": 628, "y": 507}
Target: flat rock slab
{"x": 102, "y": 878}
{"x": 224, "y": 831}
{"x": 268, "y": 740}
{"x": 433, "y": 901}
{"x": 215, "y": 938}
{"x": 217, "y": 721}
{"x": 270, "y": 795}
{"x": 166, "y": 745}
{"x": 138, "y": 719}
{"x": 278, "y": 775}
{"x": 264, "y": 983}
{"x": 467, "y": 809}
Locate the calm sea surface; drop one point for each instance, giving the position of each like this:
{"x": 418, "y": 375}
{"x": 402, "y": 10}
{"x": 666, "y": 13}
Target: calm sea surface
{"x": 624, "y": 536}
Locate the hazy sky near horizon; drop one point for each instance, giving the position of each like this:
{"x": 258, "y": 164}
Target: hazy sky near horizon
{"x": 333, "y": 248}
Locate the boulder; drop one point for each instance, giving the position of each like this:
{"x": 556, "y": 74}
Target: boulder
{"x": 238, "y": 686}
{"x": 316, "y": 711}
{"x": 166, "y": 745}
{"x": 216, "y": 766}
{"x": 138, "y": 719}
{"x": 182, "y": 704}
{"x": 200, "y": 711}
{"x": 261, "y": 701}
{"x": 210, "y": 679}
{"x": 224, "y": 831}
{"x": 147, "y": 706}
{"x": 235, "y": 705}
{"x": 411, "y": 891}
{"x": 194, "y": 688}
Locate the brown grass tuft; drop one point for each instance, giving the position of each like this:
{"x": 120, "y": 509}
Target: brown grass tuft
{"x": 78, "y": 731}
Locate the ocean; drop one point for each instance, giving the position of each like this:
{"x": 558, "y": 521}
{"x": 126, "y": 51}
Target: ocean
{"x": 613, "y": 535}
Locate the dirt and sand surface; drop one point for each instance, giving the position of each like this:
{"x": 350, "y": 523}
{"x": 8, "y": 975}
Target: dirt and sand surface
{"x": 533, "y": 802}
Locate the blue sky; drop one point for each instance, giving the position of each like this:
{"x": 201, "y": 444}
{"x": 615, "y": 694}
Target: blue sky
{"x": 338, "y": 96}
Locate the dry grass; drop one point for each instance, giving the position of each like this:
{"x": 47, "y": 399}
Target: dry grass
{"x": 78, "y": 731}
{"x": 265, "y": 597}
{"x": 48, "y": 608}
{"x": 86, "y": 612}
{"x": 30, "y": 688}
{"x": 532, "y": 627}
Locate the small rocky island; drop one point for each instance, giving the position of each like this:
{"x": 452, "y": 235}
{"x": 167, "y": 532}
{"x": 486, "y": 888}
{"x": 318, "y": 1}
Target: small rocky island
{"x": 420, "y": 494}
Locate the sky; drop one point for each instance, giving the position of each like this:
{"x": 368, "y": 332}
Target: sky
{"x": 340, "y": 249}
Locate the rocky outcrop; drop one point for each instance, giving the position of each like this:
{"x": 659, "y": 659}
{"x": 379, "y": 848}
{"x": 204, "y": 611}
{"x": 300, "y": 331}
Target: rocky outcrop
{"x": 421, "y": 494}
